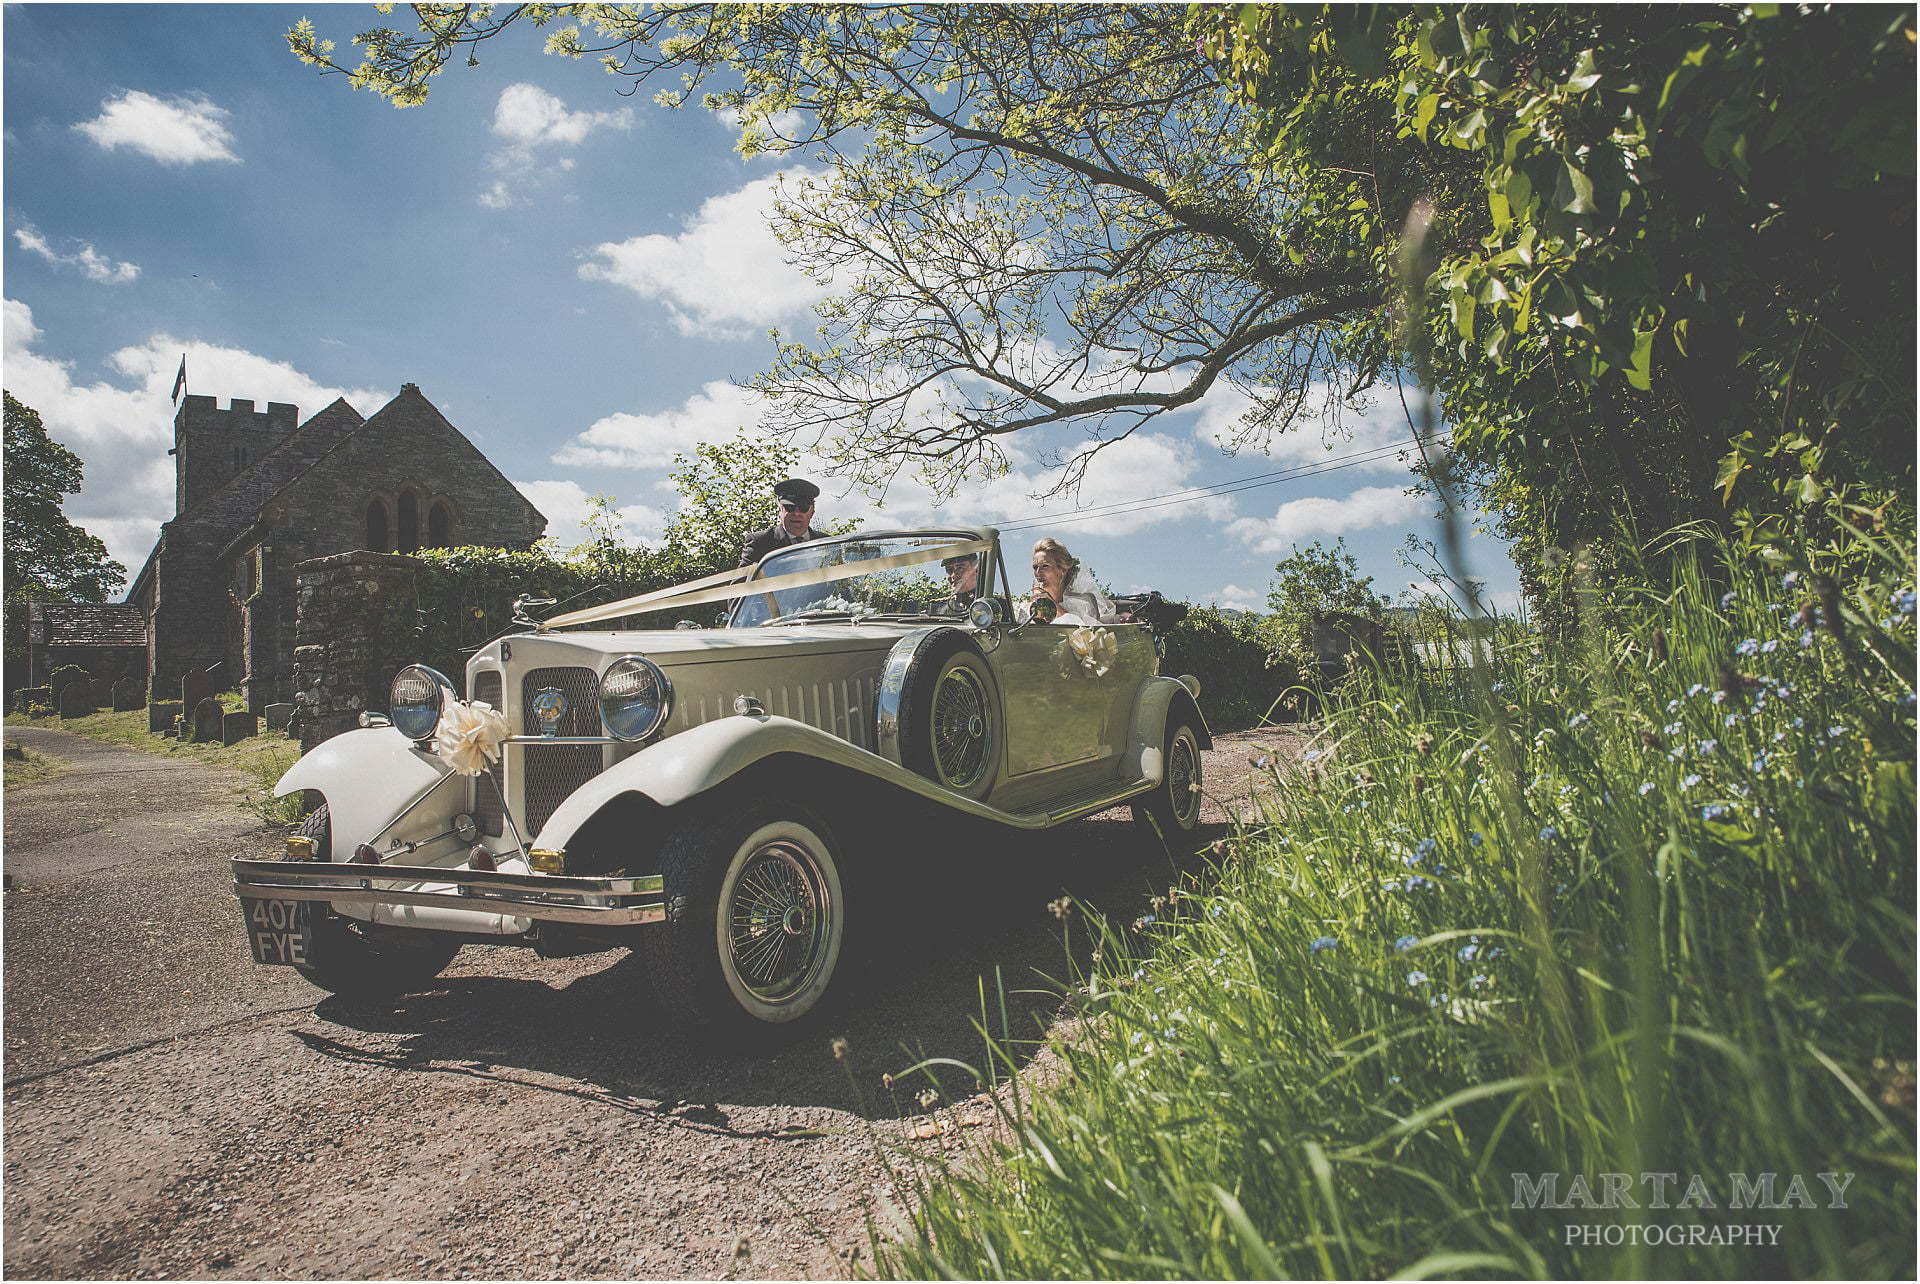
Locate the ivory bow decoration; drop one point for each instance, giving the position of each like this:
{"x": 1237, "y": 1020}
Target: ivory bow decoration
{"x": 1096, "y": 649}
{"x": 469, "y": 736}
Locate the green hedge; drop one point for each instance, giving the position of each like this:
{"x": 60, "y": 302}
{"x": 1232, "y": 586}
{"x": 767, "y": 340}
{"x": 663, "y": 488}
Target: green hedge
{"x": 1243, "y": 676}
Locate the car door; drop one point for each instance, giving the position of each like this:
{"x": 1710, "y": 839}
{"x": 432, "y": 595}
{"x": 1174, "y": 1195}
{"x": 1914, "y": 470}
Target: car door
{"x": 1059, "y": 712}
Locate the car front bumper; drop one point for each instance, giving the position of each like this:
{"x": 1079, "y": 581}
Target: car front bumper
{"x": 546, "y": 898}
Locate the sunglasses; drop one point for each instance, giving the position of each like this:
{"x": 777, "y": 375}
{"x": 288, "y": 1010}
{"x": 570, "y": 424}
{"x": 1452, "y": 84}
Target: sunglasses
{"x": 792, "y": 507}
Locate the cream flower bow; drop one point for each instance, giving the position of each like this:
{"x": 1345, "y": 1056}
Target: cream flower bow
{"x": 1096, "y": 648}
{"x": 469, "y": 735}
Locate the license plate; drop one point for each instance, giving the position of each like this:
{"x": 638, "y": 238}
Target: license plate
{"x": 279, "y": 931}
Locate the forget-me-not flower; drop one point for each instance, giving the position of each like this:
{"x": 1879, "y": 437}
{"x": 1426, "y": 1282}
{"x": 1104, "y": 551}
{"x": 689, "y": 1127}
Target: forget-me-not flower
{"x": 1323, "y": 943}
{"x": 1405, "y": 943}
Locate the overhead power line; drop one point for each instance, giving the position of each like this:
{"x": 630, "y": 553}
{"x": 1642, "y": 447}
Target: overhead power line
{"x": 1255, "y": 482}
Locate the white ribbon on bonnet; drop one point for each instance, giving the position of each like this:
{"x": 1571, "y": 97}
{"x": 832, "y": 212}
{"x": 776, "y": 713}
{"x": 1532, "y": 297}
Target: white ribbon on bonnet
{"x": 469, "y": 736}
{"x": 1096, "y": 649}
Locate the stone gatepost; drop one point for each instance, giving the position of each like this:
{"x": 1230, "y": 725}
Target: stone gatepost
{"x": 354, "y": 625}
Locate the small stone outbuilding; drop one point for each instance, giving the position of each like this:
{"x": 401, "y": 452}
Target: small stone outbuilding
{"x": 257, "y": 492}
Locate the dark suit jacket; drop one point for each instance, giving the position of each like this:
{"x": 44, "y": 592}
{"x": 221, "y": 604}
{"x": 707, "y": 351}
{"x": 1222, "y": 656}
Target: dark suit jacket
{"x": 762, "y": 542}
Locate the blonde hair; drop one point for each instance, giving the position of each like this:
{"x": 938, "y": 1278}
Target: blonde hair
{"x": 1056, "y": 552}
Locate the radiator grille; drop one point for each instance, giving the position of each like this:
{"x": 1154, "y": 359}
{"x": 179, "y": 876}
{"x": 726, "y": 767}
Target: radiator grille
{"x": 487, "y": 811}
{"x": 555, "y": 771}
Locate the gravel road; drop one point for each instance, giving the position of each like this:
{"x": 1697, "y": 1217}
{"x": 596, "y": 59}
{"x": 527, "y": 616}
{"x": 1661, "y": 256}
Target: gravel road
{"x": 171, "y": 1110}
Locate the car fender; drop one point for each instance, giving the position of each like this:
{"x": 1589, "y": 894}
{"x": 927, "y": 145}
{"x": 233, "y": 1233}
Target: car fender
{"x": 1157, "y": 699}
{"x": 689, "y": 764}
{"x": 368, "y": 776}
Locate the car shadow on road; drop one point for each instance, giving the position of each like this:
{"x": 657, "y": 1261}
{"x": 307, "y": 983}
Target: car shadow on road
{"x": 964, "y": 941}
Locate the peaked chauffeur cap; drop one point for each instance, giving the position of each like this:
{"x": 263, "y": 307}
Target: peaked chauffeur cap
{"x": 797, "y": 491}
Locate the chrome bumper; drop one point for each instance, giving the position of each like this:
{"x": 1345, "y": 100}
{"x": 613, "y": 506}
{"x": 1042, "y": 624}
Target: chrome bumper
{"x": 547, "y": 898}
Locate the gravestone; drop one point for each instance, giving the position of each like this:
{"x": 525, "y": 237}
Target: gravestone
{"x": 195, "y": 686}
{"x": 162, "y": 715}
{"x": 278, "y": 716}
{"x": 76, "y": 699}
{"x": 128, "y": 693}
{"x": 209, "y": 721}
{"x": 238, "y": 726}
{"x": 27, "y": 699}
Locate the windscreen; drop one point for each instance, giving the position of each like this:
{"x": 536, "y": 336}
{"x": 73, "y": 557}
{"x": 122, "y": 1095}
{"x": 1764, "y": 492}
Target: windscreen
{"x": 924, "y": 588}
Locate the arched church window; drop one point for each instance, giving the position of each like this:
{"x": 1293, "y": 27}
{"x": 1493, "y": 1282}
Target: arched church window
{"x": 409, "y": 535}
{"x": 439, "y": 525}
{"x": 377, "y": 527}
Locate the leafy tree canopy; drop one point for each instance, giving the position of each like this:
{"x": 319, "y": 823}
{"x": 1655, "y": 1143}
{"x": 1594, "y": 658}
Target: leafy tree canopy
{"x": 1318, "y": 580}
{"x": 1673, "y": 268}
{"x": 1029, "y": 215}
{"x": 48, "y": 558}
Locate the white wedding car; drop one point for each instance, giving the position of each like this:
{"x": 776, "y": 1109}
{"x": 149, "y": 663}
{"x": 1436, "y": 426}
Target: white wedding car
{"x": 709, "y": 796}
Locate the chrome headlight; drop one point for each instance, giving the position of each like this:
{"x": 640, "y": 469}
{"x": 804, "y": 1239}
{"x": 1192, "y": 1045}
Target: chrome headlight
{"x": 635, "y": 698}
{"x": 415, "y": 700}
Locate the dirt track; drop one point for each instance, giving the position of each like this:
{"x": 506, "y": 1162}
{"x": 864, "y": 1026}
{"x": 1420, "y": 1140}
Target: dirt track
{"x": 525, "y": 1117}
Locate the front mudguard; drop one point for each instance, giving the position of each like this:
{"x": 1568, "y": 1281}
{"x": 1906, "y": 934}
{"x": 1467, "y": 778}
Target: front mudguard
{"x": 1159, "y": 697}
{"x": 368, "y": 777}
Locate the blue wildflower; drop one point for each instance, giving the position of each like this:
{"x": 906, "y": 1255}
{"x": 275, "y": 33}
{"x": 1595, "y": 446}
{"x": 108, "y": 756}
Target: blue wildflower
{"x": 1416, "y": 977}
{"x": 1798, "y": 723}
{"x": 1692, "y": 779}
{"x": 1323, "y": 943}
{"x": 1728, "y": 598}
{"x": 1673, "y": 705}
{"x": 1467, "y": 953}
{"x": 1733, "y": 720}
{"x": 1886, "y": 622}
{"x": 1790, "y": 579}
{"x": 1548, "y": 833}
{"x": 1498, "y": 687}
{"x": 1706, "y": 746}
{"x": 1770, "y": 645}
{"x": 1903, "y": 601}
{"x": 1806, "y": 637}
{"x": 1759, "y": 762}
{"x": 1474, "y": 839}
{"x": 1906, "y": 701}
{"x": 1672, "y": 729}
{"x": 1713, "y": 811}
{"x": 1836, "y": 731}
{"x": 1778, "y": 736}
{"x": 1425, "y": 847}
{"x": 1720, "y": 697}
{"x": 1646, "y": 787}
{"x": 1495, "y": 951}
{"x": 1479, "y": 980}
{"x": 1437, "y": 1000}
{"x": 1391, "y": 885}
{"x": 1405, "y": 943}
{"x": 1749, "y": 647}
{"x": 1393, "y": 1078}
{"x": 1576, "y": 720}
{"x": 1415, "y": 883}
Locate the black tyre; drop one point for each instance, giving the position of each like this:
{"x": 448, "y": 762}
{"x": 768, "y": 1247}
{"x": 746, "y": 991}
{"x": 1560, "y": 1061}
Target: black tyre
{"x": 348, "y": 960}
{"x": 1173, "y": 808}
{"x": 756, "y": 918}
{"x": 950, "y": 717}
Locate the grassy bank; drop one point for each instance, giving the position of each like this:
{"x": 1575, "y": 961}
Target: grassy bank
{"x": 32, "y": 766}
{"x": 261, "y": 759}
{"x": 1641, "y": 905}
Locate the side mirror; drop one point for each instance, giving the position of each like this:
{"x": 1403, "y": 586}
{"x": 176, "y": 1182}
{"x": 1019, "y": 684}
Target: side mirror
{"x": 983, "y": 614}
{"x": 1045, "y": 610}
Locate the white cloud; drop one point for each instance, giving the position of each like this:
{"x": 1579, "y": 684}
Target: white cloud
{"x": 1325, "y": 428}
{"x": 1302, "y": 519}
{"x": 97, "y": 266}
{"x": 1241, "y": 599}
{"x": 782, "y": 125}
{"x": 650, "y": 440}
{"x": 724, "y": 276}
{"x": 534, "y": 123}
{"x": 566, "y": 505}
{"x": 122, "y": 430}
{"x": 173, "y": 131}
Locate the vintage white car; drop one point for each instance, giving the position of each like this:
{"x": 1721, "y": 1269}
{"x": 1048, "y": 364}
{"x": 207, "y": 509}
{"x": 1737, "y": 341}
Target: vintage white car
{"x": 710, "y": 797}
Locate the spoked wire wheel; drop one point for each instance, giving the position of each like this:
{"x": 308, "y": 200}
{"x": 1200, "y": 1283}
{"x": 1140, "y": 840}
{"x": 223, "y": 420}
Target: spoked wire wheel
{"x": 779, "y": 921}
{"x": 961, "y": 727}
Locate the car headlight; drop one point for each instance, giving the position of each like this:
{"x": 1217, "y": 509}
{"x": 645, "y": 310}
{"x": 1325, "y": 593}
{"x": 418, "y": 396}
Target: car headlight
{"x": 415, "y": 700}
{"x": 635, "y": 698}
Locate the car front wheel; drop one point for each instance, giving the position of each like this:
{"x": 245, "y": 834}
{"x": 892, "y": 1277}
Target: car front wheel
{"x": 354, "y": 963}
{"x": 756, "y": 918}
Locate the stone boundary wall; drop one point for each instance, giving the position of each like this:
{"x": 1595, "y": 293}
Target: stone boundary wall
{"x": 355, "y": 624}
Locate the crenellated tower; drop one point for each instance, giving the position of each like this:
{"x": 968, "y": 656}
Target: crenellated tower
{"x": 211, "y": 446}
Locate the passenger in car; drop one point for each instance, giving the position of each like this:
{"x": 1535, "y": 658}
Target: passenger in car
{"x": 963, "y": 581}
{"x": 1058, "y": 575}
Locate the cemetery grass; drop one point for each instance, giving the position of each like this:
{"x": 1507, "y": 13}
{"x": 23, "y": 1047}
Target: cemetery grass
{"x": 261, "y": 758}
{"x": 1637, "y": 905}
{"x": 32, "y": 766}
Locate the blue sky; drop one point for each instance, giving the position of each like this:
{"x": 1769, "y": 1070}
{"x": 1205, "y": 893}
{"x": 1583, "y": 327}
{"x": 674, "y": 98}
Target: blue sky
{"x": 574, "y": 277}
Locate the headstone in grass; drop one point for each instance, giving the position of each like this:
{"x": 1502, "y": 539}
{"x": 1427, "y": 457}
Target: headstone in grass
{"x": 237, "y": 726}
{"x": 278, "y": 716}
{"x": 195, "y": 686}
{"x": 76, "y": 698}
{"x": 161, "y": 716}
{"x": 27, "y": 699}
{"x": 128, "y": 693}
{"x": 209, "y": 722}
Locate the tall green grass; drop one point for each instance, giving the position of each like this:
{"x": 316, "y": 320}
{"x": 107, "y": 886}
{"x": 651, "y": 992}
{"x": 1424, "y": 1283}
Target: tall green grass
{"x": 1639, "y": 905}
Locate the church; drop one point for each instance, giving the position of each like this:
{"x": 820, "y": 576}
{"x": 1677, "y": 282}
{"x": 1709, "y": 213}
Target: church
{"x": 256, "y": 492}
